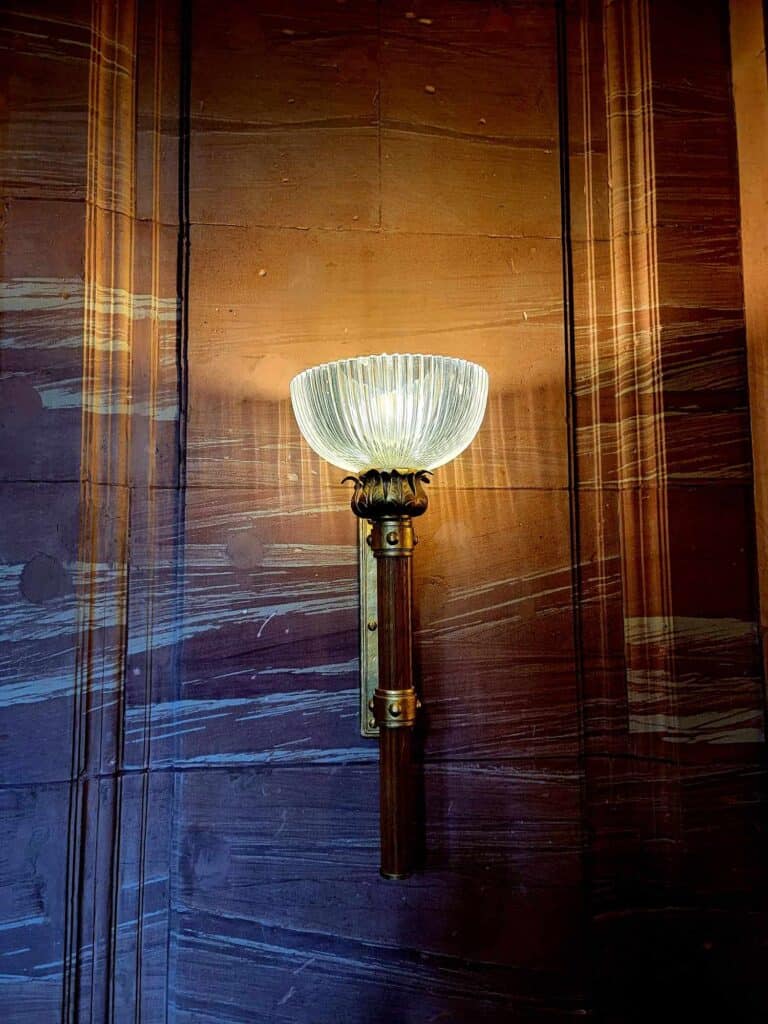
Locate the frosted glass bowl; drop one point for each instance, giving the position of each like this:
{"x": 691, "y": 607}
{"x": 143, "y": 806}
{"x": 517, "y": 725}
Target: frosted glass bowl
{"x": 403, "y": 412}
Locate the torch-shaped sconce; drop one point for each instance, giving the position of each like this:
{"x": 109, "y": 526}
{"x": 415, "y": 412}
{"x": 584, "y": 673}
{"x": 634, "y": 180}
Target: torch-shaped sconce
{"x": 390, "y": 419}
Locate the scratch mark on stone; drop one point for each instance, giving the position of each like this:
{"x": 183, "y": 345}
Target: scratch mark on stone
{"x": 287, "y": 995}
{"x": 265, "y": 623}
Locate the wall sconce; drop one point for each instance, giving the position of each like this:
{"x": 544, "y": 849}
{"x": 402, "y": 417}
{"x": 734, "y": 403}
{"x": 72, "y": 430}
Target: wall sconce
{"x": 390, "y": 420}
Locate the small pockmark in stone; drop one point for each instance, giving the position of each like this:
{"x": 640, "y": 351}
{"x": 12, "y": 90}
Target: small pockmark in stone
{"x": 44, "y": 578}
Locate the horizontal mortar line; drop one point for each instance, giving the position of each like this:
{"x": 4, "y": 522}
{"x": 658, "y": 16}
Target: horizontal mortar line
{"x": 75, "y": 193}
{"x": 391, "y": 955}
{"x": 170, "y": 225}
{"x": 222, "y": 126}
{"x": 528, "y": 142}
{"x": 427, "y": 958}
{"x": 340, "y": 230}
{"x": 693, "y": 230}
{"x": 311, "y": 34}
{"x": 173, "y": 225}
{"x": 78, "y": 52}
{"x": 42, "y": 199}
{"x": 379, "y": 230}
{"x": 54, "y": 482}
{"x": 386, "y": 33}
{"x": 424, "y": 42}
{"x": 532, "y": 760}
{"x": 81, "y": 200}
{"x": 753, "y": 767}
{"x": 116, "y": 210}
{"x": 574, "y": 764}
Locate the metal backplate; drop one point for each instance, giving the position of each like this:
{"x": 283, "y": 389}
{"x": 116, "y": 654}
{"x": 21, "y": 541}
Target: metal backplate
{"x": 369, "y": 636}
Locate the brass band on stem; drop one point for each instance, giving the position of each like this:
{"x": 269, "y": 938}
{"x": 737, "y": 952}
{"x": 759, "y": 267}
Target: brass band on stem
{"x": 395, "y": 709}
{"x": 392, "y": 537}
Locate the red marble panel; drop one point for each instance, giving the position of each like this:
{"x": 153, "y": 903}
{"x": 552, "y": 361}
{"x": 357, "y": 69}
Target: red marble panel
{"x": 469, "y": 27}
{"x": 494, "y": 629}
{"x": 661, "y": 827}
{"x": 711, "y": 545}
{"x": 700, "y": 374}
{"x": 704, "y": 374}
{"x": 33, "y": 905}
{"x": 270, "y": 665}
{"x": 697, "y": 963}
{"x": 592, "y": 779}
{"x": 44, "y": 82}
{"x": 439, "y": 185}
{"x": 41, "y": 254}
{"x": 285, "y": 109}
{"x": 698, "y": 681}
{"x": 38, "y": 556}
{"x": 469, "y": 136}
{"x": 678, "y": 897}
{"x": 694, "y": 134}
{"x": 281, "y": 864}
{"x": 50, "y": 667}
{"x": 499, "y": 96}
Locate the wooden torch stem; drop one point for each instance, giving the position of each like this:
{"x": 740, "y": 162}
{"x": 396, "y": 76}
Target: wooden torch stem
{"x": 395, "y": 699}
{"x": 389, "y": 499}
{"x": 396, "y": 801}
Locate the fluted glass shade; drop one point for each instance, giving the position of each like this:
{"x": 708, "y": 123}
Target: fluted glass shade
{"x": 403, "y": 412}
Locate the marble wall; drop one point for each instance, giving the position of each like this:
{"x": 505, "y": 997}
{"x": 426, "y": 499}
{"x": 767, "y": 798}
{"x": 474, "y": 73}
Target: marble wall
{"x": 201, "y": 199}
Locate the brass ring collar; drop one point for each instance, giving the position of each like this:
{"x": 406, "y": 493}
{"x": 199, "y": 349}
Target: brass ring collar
{"x": 393, "y": 538}
{"x": 395, "y": 709}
